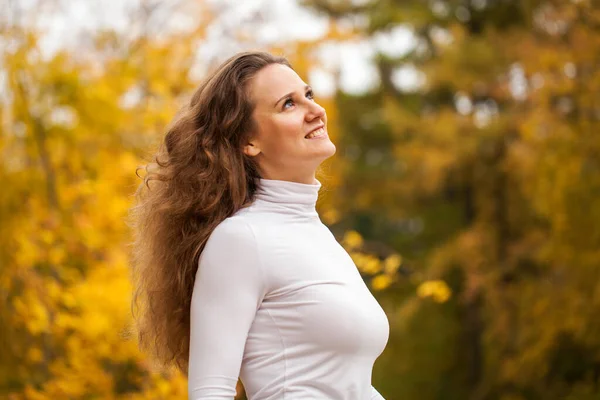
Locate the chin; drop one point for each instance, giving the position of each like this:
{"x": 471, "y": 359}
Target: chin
{"x": 328, "y": 150}
{"x": 332, "y": 147}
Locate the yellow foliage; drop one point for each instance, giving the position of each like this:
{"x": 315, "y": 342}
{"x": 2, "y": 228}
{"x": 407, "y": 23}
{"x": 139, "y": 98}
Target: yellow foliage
{"x": 352, "y": 240}
{"x": 30, "y": 309}
{"x": 330, "y": 216}
{"x": 31, "y": 394}
{"x": 392, "y": 263}
{"x": 438, "y": 290}
{"x": 35, "y": 355}
{"x": 366, "y": 263}
{"x": 57, "y": 255}
{"x": 68, "y": 300}
{"x": 66, "y": 279}
{"x": 381, "y": 282}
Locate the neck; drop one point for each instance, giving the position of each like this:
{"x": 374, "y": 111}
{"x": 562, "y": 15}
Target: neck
{"x": 287, "y": 197}
{"x": 298, "y": 177}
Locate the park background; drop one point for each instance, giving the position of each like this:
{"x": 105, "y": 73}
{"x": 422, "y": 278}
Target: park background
{"x": 466, "y": 185}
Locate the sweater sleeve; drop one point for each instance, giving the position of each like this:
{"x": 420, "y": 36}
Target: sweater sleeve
{"x": 375, "y": 394}
{"x": 228, "y": 290}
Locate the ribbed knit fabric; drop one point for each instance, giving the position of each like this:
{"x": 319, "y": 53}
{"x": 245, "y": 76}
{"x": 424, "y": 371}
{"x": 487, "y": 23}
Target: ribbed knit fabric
{"x": 278, "y": 302}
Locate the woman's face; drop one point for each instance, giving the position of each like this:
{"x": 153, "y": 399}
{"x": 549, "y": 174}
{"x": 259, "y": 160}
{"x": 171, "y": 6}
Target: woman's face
{"x": 285, "y": 114}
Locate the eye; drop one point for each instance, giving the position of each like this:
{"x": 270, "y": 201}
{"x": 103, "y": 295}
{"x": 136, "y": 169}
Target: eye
{"x": 288, "y": 101}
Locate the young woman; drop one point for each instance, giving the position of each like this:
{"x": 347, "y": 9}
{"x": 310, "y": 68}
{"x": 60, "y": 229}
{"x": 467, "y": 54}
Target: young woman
{"x": 235, "y": 275}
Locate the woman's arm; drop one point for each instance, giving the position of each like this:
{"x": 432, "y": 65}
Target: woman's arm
{"x": 375, "y": 394}
{"x": 228, "y": 290}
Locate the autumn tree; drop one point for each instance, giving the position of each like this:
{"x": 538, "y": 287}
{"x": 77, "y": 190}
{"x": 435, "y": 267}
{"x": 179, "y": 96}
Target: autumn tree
{"x": 484, "y": 173}
{"x": 75, "y": 125}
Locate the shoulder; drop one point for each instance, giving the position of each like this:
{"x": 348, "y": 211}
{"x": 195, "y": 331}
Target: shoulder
{"x": 232, "y": 249}
{"x": 234, "y": 231}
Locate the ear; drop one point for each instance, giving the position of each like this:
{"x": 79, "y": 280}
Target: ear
{"x": 251, "y": 149}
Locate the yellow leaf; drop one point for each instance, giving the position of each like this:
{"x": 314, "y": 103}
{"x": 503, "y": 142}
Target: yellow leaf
{"x": 438, "y": 290}
{"x": 56, "y": 255}
{"x": 352, "y": 240}
{"x": 53, "y": 290}
{"x": 366, "y": 263}
{"x": 392, "y": 263}
{"x": 381, "y": 282}
{"x": 330, "y": 216}
{"x": 32, "y": 394}
{"x": 47, "y": 237}
{"x": 35, "y": 355}
{"x": 68, "y": 300}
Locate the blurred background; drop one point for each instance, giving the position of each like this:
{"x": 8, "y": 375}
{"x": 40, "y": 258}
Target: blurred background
{"x": 466, "y": 185}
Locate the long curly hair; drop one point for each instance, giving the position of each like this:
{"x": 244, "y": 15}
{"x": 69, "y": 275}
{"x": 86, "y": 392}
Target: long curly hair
{"x": 198, "y": 177}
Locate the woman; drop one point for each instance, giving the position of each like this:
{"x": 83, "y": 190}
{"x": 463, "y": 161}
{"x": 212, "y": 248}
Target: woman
{"x": 235, "y": 274}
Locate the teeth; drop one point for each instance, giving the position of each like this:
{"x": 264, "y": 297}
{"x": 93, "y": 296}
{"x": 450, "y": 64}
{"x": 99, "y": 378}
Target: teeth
{"x": 318, "y": 132}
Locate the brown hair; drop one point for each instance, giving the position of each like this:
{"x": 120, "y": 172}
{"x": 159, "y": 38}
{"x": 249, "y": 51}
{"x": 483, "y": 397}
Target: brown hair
{"x": 199, "y": 176}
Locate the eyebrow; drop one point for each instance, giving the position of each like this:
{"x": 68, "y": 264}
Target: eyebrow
{"x": 306, "y": 89}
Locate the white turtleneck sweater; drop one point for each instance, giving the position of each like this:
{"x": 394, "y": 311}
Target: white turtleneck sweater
{"x": 278, "y": 302}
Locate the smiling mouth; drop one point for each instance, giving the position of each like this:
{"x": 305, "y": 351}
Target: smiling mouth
{"x": 316, "y": 133}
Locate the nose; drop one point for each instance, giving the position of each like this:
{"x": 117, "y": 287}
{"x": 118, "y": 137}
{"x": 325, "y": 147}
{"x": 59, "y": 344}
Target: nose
{"x": 314, "y": 111}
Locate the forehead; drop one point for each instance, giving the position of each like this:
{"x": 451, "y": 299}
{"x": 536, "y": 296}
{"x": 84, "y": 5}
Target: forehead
{"x": 272, "y": 82}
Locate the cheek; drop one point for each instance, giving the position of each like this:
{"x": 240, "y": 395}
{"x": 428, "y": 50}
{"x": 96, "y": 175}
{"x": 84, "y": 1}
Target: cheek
{"x": 290, "y": 125}
{"x": 283, "y": 134}
{"x": 288, "y": 130}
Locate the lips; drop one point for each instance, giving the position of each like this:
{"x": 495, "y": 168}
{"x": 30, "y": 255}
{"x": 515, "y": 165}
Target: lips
{"x": 319, "y": 131}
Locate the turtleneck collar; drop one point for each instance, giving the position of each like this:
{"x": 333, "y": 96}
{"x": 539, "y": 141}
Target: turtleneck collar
{"x": 287, "y": 197}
